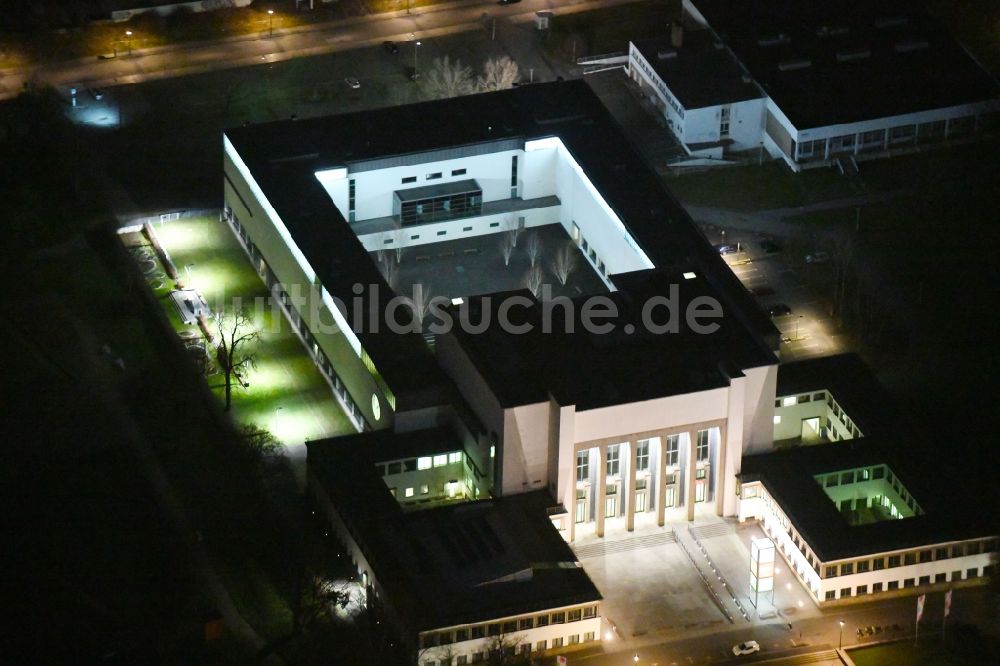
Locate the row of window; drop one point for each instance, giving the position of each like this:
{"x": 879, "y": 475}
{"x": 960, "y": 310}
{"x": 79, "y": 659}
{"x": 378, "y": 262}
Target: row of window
{"x": 613, "y": 457}
{"x": 413, "y": 237}
{"x": 421, "y": 463}
{"x": 862, "y": 590}
{"x": 433, "y": 176}
{"x": 894, "y": 135}
{"x": 506, "y": 627}
{"x": 271, "y": 280}
{"x": 521, "y": 649}
{"x": 912, "y": 557}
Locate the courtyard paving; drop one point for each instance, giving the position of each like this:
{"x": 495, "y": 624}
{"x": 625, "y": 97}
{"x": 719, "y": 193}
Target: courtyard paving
{"x": 653, "y": 590}
{"x": 475, "y": 265}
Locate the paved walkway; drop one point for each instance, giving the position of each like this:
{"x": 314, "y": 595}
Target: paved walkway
{"x": 342, "y": 35}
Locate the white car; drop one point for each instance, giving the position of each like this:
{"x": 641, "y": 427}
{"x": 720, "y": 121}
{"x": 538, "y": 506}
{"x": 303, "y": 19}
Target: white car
{"x": 352, "y": 82}
{"x": 749, "y": 647}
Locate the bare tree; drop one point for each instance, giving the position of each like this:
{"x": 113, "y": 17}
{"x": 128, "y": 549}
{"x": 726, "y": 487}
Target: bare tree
{"x": 508, "y": 241}
{"x": 533, "y": 246}
{"x": 235, "y": 350}
{"x": 498, "y": 74}
{"x": 447, "y": 79}
{"x": 533, "y": 280}
{"x": 504, "y": 650}
{"x": 390, "y": 270}
{"x": 420, "y": 303}
{"x": 564, "y": 262}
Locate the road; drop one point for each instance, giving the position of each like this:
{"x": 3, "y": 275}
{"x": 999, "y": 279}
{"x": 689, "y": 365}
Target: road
{"x": 335, "y": 36}
{"x": 811, "y": 641}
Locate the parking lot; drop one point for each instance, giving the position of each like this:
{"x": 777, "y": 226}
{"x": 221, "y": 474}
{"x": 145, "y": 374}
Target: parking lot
{"x": 776, "y": 279}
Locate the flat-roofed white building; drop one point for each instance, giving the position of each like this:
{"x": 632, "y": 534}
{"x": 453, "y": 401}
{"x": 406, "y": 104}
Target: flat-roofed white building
{"x": 849, "y": 80}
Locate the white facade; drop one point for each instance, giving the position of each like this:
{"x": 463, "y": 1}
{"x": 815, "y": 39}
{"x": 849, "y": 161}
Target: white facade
{"x": 542, "y": 169}
{"x": 741, "y": 122}
{"x": 552, "y": 630}
{"x": 540, "y": 443}
{"x": 871, "y": 574}
{"x": 813, "y": 417}
{"x": 878, "y": 137}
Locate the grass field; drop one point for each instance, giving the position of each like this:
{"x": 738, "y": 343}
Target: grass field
{"x": 287, "y": 394}
{"x": 968, "y": 650}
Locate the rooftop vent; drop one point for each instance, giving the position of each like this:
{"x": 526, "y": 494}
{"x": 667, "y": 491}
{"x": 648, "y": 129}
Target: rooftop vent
{"x": 853, "y": 54}
{"x": 666, "y": 54}
{"x": 773, "y": 40}
{"x": 911, "y": 45}
{"x": 799, "y": 63}
{"x": 887, "y": 22}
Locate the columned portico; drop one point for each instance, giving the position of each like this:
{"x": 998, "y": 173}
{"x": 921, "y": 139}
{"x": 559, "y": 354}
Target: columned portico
{"x": 622, "y": 477}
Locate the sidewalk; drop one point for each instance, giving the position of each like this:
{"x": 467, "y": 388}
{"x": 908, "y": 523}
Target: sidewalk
{"x": 317, "y": 39}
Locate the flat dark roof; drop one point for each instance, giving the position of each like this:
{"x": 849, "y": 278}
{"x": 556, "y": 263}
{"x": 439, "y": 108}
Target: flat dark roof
{"x": 284, "y": 155}
{"x": 701, "y": 72}
{"x": 851, "y": 382}
{"x": 628, "y": 364}
{"x": 863, "y": 60}
{"x": 789, "y": 475}
{"x": 439, "y": 565}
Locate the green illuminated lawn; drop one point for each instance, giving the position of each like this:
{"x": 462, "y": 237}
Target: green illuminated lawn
{"x": 287, "y": 394}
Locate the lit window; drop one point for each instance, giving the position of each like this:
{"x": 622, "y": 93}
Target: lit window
{"x": 672, "y": 448}
{"x": 493, "y": 451}
{"x": 409, "y": 492}
{"x": 789, "y": 401}
{"x": 702, "y": 450}
{"x": 424, "y": 489}
{"x": 642, "y": 455}
{"x": 613, "y": 460}
{"x": 424, "y": 463}
{"x": 582, "y": 465}
{"x": 441, "y": 460}
{"x": 689, "y": 275}
{"x": 777, "y": 419}
{"x": 455, "y": 457}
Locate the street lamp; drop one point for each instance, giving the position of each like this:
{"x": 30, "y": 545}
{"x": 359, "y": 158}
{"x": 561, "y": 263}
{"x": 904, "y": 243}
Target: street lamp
{"x": 636, "y": 658}
{"x": 840, "y": 641}
{"x": 416, "y": 75}
{"x": 270, "y": 22}
{"x": 128, "y": 33}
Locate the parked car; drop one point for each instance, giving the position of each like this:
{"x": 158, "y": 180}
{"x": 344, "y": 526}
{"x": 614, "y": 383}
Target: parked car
{"x": 727, "y": 249}
{"x": 508, "y": 2}
{"x": 747, "y": 647}
{"x": 762, "y": 290}
{"x": 352, "y": 82}
{"x": 770, "y": 246}
{"x": 779, "y": 310}
{"x": 96, "y": 93}
{"x": 817, "y": 258}
{"x": 391, "y": 47}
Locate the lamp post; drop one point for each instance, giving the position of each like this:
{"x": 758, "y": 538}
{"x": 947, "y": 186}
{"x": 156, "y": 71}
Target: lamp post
{"x": 270, "y": 22}
{"x": 635, "y": 659}
{"x": 840, "y": 641}
{"x": 416, "y": 74}
{"x": 128, "y": 33}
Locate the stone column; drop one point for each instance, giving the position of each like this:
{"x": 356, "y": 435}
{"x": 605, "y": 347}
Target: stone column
{"x": 630, "y": 485}
{"x": 661, "y": 482}
{"x": 720, "y": 473}
{"x": 602, "y": 492}
{"x": 689, "y": 473}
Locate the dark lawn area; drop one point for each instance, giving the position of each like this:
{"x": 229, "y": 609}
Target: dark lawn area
{"x": 936, "y": 250}
{"x": 475, "y": 265}
{"x": 608, "y": 30}
{"x": 962, "y": 646}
